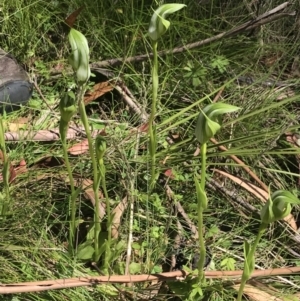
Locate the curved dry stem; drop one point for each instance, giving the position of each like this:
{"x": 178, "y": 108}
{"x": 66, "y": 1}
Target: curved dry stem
{"x": 45, "y": 285}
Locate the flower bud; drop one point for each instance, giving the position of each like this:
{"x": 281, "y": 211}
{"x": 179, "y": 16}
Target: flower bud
{"x": 67, "y": 107}
{"x": 100, "y": 145}
{"x": 2, "y": 134}
{"x": 79, "y": 58}
{"x": 249, "y": 260}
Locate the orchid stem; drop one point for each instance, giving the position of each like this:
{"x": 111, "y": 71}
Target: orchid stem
{"x": 5, "y": 173}
{"x": 85, "y": 123}
{"x": 152, "y": 130}
{"x": 200, "y": 215}
{"x": 63, "y": 127}
{"x": 102, "y": 179}
{"x": 248, "y": 260}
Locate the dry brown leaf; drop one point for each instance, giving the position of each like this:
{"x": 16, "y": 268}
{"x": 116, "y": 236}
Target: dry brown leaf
{"x": 169, "y": 173}
{"x": 70, "y": 20}
{"x": 47, "y": 161}
{"x": 257, "y": 294}
{"x": 242, "y": 164}
{"x": 117, "y": 214}
{"x": 272, "y": 290}
{"x": 87, "y": 187}
{"x": 294, "y": 297}
{"x": 18, "y": 124}
{"x": 59, "y": 67}
{"x": 143, "y": 128}
{"x": 79, "y": 148}
{"x": 12, "y": 172}
{"x": 258, "y": 192}
{"x": 165, "y": 160}
{"x": 22, "y": 168}
{"x": 97, "y": 91}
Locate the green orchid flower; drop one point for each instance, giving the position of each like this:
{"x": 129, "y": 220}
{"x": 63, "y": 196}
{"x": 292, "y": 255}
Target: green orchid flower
{"x": 278, "y": 206}
{"x": 158, "y": 24}
{"x": 207, "y": 123}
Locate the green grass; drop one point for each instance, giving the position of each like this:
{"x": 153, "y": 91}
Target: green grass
{"x": 33, "y": 239}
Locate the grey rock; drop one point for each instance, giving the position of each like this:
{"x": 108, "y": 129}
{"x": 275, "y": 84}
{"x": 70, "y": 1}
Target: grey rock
{"x": 15, "y": 86}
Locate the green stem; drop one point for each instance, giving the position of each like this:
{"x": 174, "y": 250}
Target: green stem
{"x": 85, "y": 123}
{"x": 201, "y": 244}
{"x": 108, "y": 214}
{"x": 63, "y": 127}
{"x": 202, "y": 248}
{"x": 5, "y": 173}
{"x": 250, "y": 257}
{"x": 152, "y": 132}
{"x": 203, "y": 151}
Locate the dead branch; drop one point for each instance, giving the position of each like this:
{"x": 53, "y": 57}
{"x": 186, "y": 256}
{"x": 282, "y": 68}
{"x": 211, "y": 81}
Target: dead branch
{"x": 132, "y": 103}
{"x": 38, "y": 286}
{"x": 46, "y": 135}
{"x": 265, "y": 18}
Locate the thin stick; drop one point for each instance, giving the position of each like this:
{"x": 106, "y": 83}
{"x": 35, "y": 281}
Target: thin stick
{"x": 41, "y": 94}
{"x": 46, "y": 285}
{"x": 133, "y": 105}
{"x": 265, "y": 18}
{"x": 257, "y": 266}
{"x": 243, "y": 165}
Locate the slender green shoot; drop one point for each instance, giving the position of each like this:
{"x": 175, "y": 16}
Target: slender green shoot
{"x": 85, "y": 123}
{"x": 206, "y": 128}
{"x": 67, "y": 110}
{"x": 5, "y": 197}
{"x": 201, "y": 206}
{"x": 276, "y": 208}
{"x": 100, "y": 146}
{"x": 79, "y": 59}
{"x": 157, "y": 28}
{"x": 249, "y": 252}
{"x": 152, "y": 131}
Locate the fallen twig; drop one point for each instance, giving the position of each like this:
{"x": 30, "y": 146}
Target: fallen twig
{"x": 46, "y": 135}
{"x": 243, "y": 165}
{"x": 133, "y": 104}
{"x": 46, "y": 285}
{"x": 265, "y": 18}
